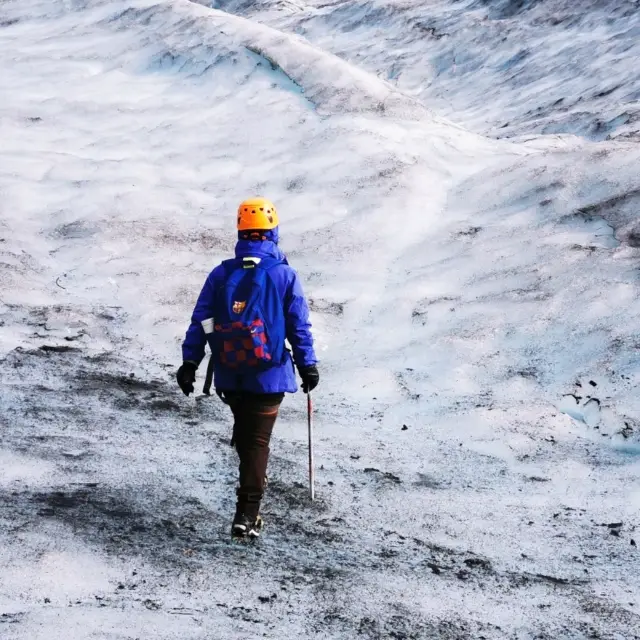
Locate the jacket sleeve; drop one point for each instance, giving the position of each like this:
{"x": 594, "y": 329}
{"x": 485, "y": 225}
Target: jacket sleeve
{"x": 298, "y": 325}
{"x": 195, "y": 341}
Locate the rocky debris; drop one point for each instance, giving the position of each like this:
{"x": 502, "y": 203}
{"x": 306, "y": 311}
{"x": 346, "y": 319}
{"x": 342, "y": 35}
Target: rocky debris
{"x": 267, "y": 599}
{"x": 385, "y": 475}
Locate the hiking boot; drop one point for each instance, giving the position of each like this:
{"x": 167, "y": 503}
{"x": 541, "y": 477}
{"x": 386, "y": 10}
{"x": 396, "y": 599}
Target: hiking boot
{"x": 246, "y": 527}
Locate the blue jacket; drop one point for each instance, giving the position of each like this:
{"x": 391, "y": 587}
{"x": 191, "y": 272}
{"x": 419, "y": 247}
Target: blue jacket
{"x": 279, "y": 378}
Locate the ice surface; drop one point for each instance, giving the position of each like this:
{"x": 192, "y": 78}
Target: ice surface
{"x": 475, "y": 304}
{"x": 505, "y": 67}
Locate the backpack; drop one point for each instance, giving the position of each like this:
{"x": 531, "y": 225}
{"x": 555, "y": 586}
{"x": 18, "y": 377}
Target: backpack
{"x": 249, "y": 326}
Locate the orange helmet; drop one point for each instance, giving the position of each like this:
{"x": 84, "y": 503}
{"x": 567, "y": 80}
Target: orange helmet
{"x": 257, "y": 213}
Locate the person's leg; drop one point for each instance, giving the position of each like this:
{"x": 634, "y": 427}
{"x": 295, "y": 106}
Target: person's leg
{"x": 255, "y": 416}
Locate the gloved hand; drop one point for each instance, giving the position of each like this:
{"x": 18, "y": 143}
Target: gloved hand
{"x": 310, "y": 378}
{"x": 186, "y": 376}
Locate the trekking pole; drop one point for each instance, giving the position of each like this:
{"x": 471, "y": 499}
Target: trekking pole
{"x": 310, "y": 425}
{"x": 208, "y": 381}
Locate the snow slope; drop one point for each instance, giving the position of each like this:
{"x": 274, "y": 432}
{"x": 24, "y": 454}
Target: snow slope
{"x": 475, "y": 303}
{"x": 504, "y": 67}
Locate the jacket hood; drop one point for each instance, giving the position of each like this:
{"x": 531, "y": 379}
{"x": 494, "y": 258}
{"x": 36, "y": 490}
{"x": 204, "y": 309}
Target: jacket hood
{"x": 261, "y": 248}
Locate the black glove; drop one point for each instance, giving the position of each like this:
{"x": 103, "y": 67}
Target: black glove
{"x": 186, "y": 376}
{"x": 310, "y": 378}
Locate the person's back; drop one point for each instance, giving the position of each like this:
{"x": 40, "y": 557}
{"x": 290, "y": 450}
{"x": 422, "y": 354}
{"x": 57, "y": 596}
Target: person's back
{"x": 245, "y": 310}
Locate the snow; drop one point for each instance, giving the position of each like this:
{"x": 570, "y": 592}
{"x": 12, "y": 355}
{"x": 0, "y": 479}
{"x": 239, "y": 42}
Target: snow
{"x": 475, "y": 304}
{"x": 17, "y": 468}
{"x": 505, "y": 67}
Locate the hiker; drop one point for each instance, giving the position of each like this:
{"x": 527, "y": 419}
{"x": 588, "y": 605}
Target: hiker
{"x": 247, "y": 308}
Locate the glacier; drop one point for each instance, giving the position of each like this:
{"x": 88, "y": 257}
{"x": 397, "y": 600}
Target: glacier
{"x": 458, "y": 187}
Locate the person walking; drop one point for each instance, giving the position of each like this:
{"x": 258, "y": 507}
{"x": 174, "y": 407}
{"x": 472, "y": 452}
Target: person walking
{"x": 248, "y": 307}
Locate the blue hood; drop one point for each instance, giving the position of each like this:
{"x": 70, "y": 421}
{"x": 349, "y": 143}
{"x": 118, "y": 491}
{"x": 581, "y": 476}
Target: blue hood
{"x": 261, "y": 248}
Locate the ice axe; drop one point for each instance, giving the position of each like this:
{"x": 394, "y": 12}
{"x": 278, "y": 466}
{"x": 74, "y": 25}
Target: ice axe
{"x": 312, "y": 492}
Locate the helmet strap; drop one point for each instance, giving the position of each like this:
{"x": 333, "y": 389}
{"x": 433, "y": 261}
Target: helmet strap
{"x": 256, "y": 236}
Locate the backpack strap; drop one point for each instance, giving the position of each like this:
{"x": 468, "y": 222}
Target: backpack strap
{"x": 260, "y": 267}
{"x": 230, "y": 266}
{"x": 268, "y": 263}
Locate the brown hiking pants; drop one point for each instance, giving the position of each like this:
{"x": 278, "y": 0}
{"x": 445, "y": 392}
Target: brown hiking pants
{"x": 254, "y": 417}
